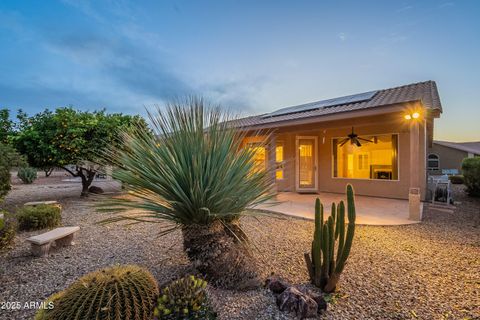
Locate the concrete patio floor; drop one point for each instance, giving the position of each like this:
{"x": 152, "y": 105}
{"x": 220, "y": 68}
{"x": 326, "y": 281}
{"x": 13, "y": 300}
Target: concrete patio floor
{"x": 370, "y": 210}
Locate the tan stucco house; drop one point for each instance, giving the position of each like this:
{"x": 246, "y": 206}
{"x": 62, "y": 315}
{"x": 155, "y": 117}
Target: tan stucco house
{"x": 311, "y": 150}
{"x": 447, "y": 157}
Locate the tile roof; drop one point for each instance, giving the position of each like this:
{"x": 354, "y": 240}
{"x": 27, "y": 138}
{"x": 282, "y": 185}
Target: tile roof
{"x": 471, "y": 147}
{"x": 421, "y": 91}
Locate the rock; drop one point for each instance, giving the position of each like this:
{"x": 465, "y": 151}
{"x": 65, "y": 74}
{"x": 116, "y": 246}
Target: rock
{"x": 293, "y": 300}
{"x": 321, "y": 303}
{"x": 276, "y": 285}
{"x": 95, "y": 189}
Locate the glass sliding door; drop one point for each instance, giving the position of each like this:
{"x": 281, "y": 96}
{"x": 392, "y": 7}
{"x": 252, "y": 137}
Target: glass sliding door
{"x": 306, "y": 164}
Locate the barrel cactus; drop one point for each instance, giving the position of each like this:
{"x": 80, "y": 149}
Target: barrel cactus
{"x": 119, "y": 292}
{"x": 324, "y": 267}
{"x": 184, "y": 299}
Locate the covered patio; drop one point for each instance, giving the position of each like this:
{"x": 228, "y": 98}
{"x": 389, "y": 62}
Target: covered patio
{"x": 370, "y": 210}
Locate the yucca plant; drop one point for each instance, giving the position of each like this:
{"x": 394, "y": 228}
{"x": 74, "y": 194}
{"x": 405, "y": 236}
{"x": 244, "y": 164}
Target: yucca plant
{"x": 192, "y": 172}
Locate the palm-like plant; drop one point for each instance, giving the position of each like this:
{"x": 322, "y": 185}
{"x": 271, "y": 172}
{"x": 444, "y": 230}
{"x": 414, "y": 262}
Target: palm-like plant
{"x": 191, "y": 172}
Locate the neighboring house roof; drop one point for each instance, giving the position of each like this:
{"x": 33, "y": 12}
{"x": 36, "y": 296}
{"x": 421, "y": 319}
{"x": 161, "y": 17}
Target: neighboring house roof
{"x": 470, "y": 147}
{"x": 426, "y": 92}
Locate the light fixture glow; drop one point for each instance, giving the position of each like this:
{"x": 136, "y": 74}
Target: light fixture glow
{"x": 408, "y": 117}
{"x": 415, "y": 115}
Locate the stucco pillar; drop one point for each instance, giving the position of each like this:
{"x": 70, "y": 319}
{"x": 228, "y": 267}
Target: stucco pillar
{"x": 272, "y": 158}
{"x": 414, "y": 196}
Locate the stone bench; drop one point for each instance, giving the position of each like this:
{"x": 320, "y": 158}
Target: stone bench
{"x": 63, "y": 236}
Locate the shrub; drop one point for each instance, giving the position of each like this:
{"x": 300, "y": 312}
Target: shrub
{"x": 119, "y": 292}
{"x": 324, "y": 267}
{"x": 7, "y": 231}
{"x": 27, "y": 174}
{"x": 456, "y": 179}
{"x": 192, "y": 172}
{"x": 471, "y": 175}
{"x": 39, "y": 217}
{"x": 186, "y": 299}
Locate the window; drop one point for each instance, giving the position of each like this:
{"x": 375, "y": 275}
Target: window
{"x": 259, "y": 156}
{"x": 433, "y": 162}
{"x": 377, "y": 159}
{"x": 279, "y": 159}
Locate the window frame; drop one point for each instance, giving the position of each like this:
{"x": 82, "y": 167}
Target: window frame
{"x": 428, "y": 160}
{"x": 332, "y": 163}
{"x": 280, "y": 165}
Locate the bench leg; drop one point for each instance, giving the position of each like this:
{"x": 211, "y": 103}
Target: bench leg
{"x": 40, "y": 250}
{"x": 65, "y": 241}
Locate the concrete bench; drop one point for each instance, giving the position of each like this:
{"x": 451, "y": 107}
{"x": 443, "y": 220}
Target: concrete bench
{"x": 62, "y": 236}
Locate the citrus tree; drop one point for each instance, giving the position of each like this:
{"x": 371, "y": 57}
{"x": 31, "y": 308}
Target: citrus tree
{"x": 71, "y": 139}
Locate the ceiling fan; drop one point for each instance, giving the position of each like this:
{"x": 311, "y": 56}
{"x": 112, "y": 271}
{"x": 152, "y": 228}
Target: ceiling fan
{"x": 354, "y": 139}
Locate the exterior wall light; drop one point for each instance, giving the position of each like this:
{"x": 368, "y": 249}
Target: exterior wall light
{"x": 411, "y": 116}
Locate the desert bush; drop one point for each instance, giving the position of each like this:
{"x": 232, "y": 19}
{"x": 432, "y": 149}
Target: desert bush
{"x": 7, "y": 230}
{"x": 457, "y": 179}
{"x": 114, "y": 293}
{"x": 324, "y": 267}
{"x": 27, "y": 174}
{"x": 185, "y": 299}
{"x": 471, "y": 175}
{"x": 39, "y": 217}
{"x": 193, "y": 173}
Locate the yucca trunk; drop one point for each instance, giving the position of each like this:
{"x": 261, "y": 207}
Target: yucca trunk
{"x": 218, "y": 254}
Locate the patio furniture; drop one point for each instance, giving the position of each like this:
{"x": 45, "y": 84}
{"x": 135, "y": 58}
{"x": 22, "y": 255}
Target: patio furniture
{"x": 63, "y": 236}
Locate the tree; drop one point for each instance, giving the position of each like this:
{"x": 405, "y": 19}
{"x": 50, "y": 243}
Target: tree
{"x": 9, "y": 158}
{"x": 192, "y": 174}
{"x": 6, "y": 126}
{"x": 71, "y": 139}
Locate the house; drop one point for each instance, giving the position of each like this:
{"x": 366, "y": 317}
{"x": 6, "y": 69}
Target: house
{"x": 377, "y": 141}
{"x": 447, "y": 157}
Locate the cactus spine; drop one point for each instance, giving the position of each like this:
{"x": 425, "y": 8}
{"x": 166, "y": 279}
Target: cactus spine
{"x": 324, "y": 267}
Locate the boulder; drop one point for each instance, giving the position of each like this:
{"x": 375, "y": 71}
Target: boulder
{"x": 95, "y": 189}
{"x": 276, "y": 285}
{"x": 293, "y": 300}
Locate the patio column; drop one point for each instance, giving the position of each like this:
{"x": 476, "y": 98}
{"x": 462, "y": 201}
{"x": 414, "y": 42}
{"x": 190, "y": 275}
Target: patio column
{"x": 272, "y": 158}
{"x": 415, "y": 212}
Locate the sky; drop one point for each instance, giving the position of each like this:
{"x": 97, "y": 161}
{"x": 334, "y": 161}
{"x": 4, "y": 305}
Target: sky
{"x": 249, "y": 56}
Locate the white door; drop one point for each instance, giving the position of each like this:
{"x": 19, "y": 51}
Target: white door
{"x": 306, "y": 164}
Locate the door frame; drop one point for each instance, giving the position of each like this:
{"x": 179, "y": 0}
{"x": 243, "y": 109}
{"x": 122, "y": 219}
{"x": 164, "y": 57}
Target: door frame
{"x": 297, "y": 164}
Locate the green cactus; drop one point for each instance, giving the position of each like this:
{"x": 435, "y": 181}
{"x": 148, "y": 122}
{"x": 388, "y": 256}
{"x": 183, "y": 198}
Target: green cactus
{"x": 184, "y": 299}
{"x": 324, "y": 267}
{"x": 119, "y": 292}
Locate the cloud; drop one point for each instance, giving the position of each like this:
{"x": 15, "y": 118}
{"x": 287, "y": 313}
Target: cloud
{"x": 405, "y": 8}
{"x": 342, "y": 36}
{"x": 447, "y": 4}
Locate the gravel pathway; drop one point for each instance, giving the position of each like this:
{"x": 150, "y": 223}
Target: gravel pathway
{"x": 424, "y": 271}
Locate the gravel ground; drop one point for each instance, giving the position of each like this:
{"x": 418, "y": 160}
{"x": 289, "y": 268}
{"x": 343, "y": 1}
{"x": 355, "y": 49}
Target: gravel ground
{"x": 423, "y": 271}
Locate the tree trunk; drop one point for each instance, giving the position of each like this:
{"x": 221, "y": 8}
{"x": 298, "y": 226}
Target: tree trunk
{"x": 48, "y": 171}
{"x": 86, "y": 180}
{"x": 220, "y": 257}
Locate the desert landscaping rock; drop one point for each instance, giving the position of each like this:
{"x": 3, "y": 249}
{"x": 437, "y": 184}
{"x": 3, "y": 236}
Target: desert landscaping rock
{"x": 293, "y": 300}
{"x": 423, "y": 271}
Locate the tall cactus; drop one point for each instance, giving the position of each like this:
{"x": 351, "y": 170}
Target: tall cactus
{"x": 324, "y": 267}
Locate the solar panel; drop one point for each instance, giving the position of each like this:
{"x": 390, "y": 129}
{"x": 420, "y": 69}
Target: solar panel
{"x": 323, "y": 104}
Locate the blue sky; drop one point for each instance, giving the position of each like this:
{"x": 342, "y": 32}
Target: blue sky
{"x": 253, "y": 56}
